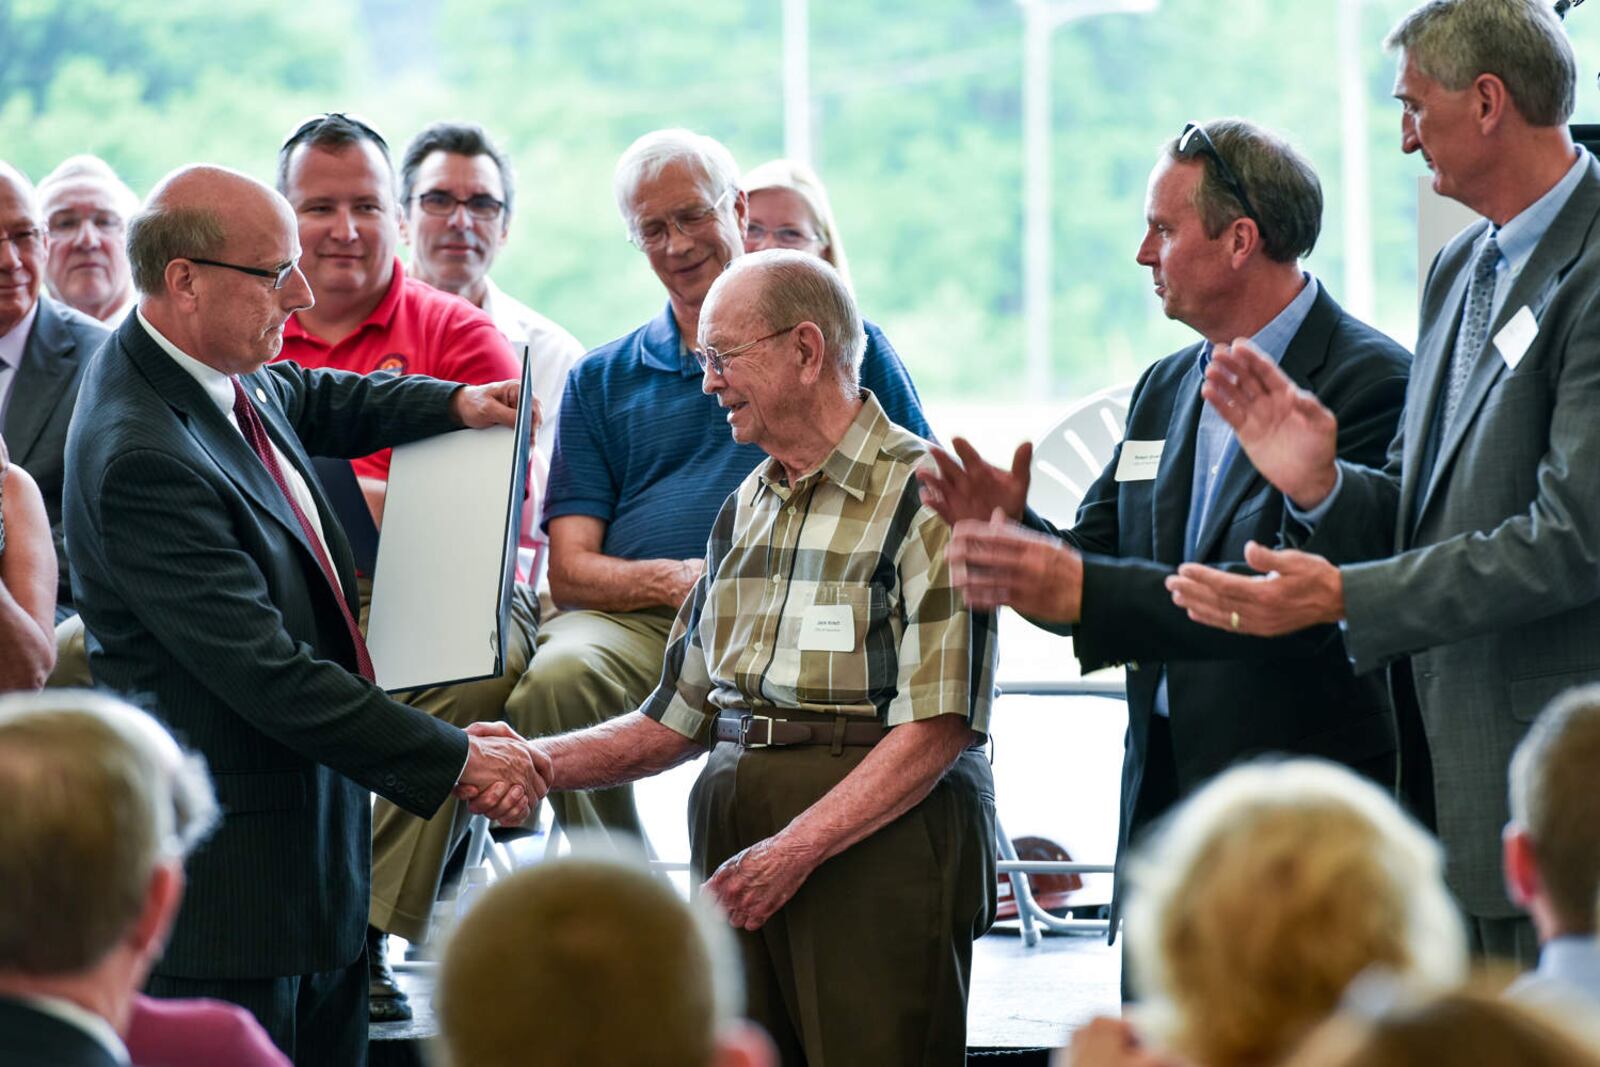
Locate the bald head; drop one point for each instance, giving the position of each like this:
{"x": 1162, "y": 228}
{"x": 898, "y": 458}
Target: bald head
{"x": 783, "y": 287}
{"x": 22, "y": 248}
{"x": 213, "y": 255}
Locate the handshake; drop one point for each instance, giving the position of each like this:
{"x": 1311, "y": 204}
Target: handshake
{"x": 505, "y": 775}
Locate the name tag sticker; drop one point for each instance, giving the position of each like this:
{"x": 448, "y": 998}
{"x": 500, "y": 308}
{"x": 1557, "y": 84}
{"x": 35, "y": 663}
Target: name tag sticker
{"x": 1515, "y": 336}
{"x": 828, "y": 628}
{"x": 1139, "y": 460}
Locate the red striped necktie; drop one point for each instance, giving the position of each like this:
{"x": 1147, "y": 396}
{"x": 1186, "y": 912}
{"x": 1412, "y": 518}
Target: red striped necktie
{"x": 256, "y": 434}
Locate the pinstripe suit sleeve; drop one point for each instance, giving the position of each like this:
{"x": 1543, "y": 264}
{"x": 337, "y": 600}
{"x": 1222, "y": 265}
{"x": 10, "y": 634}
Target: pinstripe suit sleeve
{"x": 165, "y": 528}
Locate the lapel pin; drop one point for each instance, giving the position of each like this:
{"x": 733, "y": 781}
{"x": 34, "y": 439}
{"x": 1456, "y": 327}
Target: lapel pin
{"x": 261, "y": 394}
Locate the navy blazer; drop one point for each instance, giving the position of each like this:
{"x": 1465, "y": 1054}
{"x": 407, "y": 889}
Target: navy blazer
{"x": 203, "y": 598}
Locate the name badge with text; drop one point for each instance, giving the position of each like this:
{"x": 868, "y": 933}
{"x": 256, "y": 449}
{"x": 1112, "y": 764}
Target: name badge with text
{"x": 1139, "y": 460}
{"x": 1515, "y": 336}
{"x": 828, "y": 628}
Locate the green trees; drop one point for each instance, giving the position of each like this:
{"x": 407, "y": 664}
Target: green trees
{"x": 917, "y": 107}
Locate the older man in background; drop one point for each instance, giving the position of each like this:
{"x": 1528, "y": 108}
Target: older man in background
{"x": 845, "y": 819}
{"x": 86, "y": 208}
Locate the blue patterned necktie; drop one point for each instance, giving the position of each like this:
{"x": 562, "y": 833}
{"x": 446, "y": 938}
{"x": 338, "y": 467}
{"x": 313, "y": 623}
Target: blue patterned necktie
{"x": 1474, "y": 327}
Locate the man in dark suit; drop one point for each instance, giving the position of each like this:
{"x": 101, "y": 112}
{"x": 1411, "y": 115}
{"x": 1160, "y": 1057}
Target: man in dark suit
{"x": 212, "y": 576}
{"x": 89, "y": 900}
{"x": 1230, "y": 210}
{"x": 1482, "y": 527}
{"x": 44, "y": 347}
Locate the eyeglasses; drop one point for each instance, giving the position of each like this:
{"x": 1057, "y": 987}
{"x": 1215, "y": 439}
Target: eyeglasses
{"x": 67, "y": 225}
{"x": 653, "y": 234}
{"x": 718, "y": 361}
{"x": 334, "y": 120}
{"x": 1195, "y": 141}
{"x": 480, "y": 206}
{"x": 783, "y": 236}
{"x": 279, "y": 274}
{"x": 23, "y": 239}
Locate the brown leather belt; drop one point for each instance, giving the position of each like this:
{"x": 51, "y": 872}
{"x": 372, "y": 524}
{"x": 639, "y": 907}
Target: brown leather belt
{"x": 760, "y": 731}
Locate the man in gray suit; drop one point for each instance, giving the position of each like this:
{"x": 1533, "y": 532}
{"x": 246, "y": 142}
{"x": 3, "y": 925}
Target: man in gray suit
{"x": 1471, "y": 559}
{"x": 214, "y": 579}
{"x": 44, "y": 347}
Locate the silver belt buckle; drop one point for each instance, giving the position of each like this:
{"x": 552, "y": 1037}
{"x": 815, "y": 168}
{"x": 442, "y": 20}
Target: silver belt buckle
{"x": 744, "y": 731}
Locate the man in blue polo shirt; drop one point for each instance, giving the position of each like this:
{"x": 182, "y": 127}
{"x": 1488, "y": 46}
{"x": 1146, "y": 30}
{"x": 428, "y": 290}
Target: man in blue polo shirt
{"x": 643, "y": 461}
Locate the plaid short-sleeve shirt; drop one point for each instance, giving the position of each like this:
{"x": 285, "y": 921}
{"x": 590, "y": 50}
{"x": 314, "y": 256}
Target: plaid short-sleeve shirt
{"x": 830, "y": 596}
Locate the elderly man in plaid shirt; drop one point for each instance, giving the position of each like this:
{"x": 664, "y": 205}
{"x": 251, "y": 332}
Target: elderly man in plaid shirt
{"x": 845, "y": 818}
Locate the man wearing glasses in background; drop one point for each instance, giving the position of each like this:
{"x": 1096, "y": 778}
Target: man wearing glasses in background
{"x": 335, "y": 172}
{"x": 86, "y": 208}
{"x": 1230, "y": 211}
{"x": 642, "y": 462}
{"x": 44, "y": 347}
{"x": 458, "y": 189}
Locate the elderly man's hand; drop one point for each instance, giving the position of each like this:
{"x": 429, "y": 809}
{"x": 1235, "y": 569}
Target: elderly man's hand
{"x": 1290, "y": 437}
{"x": 495, "y": 404}
{"x": 972, "y": 487}
{"x": 1295, "y": 590}
{"x": 505, "y": 774}
{"x": 1107, "y": 1042}
{"x": 997, "y": 563}
{"x": 753, "y": 884}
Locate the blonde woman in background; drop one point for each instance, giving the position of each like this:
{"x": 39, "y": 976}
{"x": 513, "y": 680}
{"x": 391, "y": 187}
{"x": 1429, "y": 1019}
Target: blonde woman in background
{"x": 1258, "y": 902}
{"x": 789, "y": 209}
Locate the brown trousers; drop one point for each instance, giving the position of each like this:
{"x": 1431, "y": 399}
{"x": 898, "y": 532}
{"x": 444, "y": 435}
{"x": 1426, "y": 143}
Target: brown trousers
{"x": 871, "y": 959}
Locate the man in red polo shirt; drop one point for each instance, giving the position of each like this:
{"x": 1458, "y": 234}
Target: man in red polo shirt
{"x": 336, "y": 173}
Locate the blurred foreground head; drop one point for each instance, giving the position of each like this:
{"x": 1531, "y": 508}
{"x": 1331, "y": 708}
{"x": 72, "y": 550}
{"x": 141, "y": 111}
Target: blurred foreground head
{"x": 592, "y": 960}
{"x": 1266, "y": 893}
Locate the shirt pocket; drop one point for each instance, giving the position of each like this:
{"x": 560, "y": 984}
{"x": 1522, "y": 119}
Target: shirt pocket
{"x": 830, "y": 676}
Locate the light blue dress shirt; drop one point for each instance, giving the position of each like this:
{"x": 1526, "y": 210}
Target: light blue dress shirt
{"x": 1216, "y": 446}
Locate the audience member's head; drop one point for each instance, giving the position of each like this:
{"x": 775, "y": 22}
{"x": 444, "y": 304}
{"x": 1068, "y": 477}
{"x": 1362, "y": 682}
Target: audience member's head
{"x": 456, "y": 189}
{"x": 102, "y": 807}
{"x": 86, "y": 209}
{"x": 335, "y": 172}
{"x": 1266, "y": 893}
{"x": 214, "y": 256}
{"x": 789, "y": 208}
{"x": 22, "y": 248}
{"x": 1462, "y": 1027}
{"x": 781, "y": 344}
{"x": 1552, "y": 846}
{"x": 592, "y": 960}
{"x": 679, "y": 196}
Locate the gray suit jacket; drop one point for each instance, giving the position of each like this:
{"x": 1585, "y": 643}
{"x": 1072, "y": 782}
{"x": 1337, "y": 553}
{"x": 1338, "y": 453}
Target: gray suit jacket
{"x": 40, "y": 408}
{"x": 202, "y": 596}
{"x": 1492, "y": 584}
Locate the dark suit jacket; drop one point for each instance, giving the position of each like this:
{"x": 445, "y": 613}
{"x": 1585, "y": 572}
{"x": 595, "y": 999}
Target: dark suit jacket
{"x": 42, "y": 396}
{"x": 1491, "y": 572}
{"x": 1230, "y": 697}
{"x": 200, "y": 592}
{"x": 32, "y": 1038}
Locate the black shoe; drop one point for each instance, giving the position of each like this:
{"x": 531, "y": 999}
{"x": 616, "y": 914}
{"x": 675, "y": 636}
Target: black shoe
{"x": 386, "y": 1002}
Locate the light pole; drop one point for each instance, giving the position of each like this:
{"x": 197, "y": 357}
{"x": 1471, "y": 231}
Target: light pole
{"x": 796, "y": 82}
{"x": 1040, "y": 18}
{"x": 1358, "y": 295}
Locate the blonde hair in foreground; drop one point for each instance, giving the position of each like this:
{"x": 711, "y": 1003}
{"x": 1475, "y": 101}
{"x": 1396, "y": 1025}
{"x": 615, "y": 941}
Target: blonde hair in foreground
{"x": 1463, "y": 1027}
{"x": 585, "y": 961}
{"x": 1266, "y": 893}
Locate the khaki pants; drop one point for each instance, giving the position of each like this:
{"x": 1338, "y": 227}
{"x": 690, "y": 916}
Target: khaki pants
{"x": 72, "y": 657}
{"x": 869, "y": 962}
{"x": 408, "y": 853}
{"x": 588, "y": 667}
